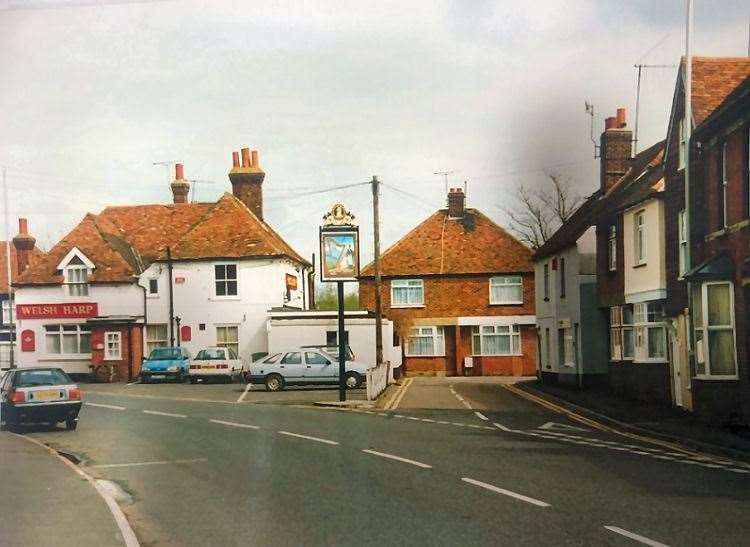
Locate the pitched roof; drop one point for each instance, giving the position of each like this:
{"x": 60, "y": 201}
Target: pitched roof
{"x": 728, "y": 108}
{"x": 573, "y": 228}
{"x": 122, "y": 241}
{"x": 35, "y": 256}
{"x": 443, "y": 245}
{"x": 713, "y": 79}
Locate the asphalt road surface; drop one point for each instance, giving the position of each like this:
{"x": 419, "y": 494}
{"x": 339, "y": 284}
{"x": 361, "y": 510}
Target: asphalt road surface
{"x": 455, "y": 463}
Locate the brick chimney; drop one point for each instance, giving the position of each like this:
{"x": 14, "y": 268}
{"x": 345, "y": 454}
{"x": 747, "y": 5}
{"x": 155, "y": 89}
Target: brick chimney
{"x": 247, "y": 180}
{"x": 456, "y": 203}
{"x": 24, "y": 244}
{"x": 180, "y": 187}
{"x": 616, "y": 150}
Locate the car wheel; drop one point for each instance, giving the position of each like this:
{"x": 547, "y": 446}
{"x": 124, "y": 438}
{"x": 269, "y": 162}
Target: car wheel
{"x": 71, "y": 424}
{"x": 193, "y": 380}
{"x": 352, "y": 380}
{"x": 274, "y": 382}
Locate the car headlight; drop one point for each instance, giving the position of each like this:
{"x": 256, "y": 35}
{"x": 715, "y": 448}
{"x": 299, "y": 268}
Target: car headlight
{"x": 173, "y": 368}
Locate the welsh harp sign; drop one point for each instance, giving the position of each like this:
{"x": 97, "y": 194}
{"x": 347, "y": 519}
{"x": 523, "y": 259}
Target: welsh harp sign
{"x": 339, "y": 246}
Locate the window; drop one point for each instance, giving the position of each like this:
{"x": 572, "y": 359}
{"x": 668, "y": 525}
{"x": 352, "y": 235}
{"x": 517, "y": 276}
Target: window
{"x": 682, "y": 150}
{"x": 546, "y": 281}
{"x": 723, "y": 187}
{"x": 621, "y": 336}
{"x": 77, "y": 277}
{"x": 562, "y": 277}
{"x": 496, "y": 340}
{"x": 547, "y": 354}
{"x": 332, "y": 338}
{"x": 156, "y": 337}
{"x": 312, "y": 358}
{"x": 227, "y": 336}
{"x": 650, "y": 333}
{"x": 272, "y": 359}
{"x": 407, "y": 292}
{"x": 612, "y": 248}
{"x": 682, "y": 238}
{"x": 112, "y": 346}
{"x": 6, "y": 312}
{"x": 506, "y": 289}
{"x": 639, "y": 224}
{"x": 153, "y": 287}
{"x": 565, "y": 347}
{"x": 225, "y": 276}
{"x": 713, "y": 316}
{"x": 67, "y": 339}
{"x": 426, "y": 341}
{"x": 292, "y": 358}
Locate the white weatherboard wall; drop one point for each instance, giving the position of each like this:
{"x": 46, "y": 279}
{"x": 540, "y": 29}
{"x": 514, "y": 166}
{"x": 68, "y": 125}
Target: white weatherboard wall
{"x": 646, "y": 281}
{"x": 287, "y": 334}
{"x": 261, "y": 286}
{"x": 112, "y": 299}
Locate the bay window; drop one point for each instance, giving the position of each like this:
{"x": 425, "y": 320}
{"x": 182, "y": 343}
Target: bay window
{"x": 650, "y": 332}
{"x": 713, "y": 319}
{"x": 506, "y": 289}
{"x": 496, "y": 340}
{"x": 407, "y": 293}
{"x": 426, "y": 341}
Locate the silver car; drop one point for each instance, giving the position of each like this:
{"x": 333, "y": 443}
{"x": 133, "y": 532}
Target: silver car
{"x": 300, "y": 366}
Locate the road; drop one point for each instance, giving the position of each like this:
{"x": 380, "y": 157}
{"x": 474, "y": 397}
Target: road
{"x": 456, "y": 463}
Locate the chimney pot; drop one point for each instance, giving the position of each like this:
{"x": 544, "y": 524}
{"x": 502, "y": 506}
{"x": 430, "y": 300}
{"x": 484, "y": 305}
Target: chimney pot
{"x": 23, "y": 226}
{"x": 235, "y": 159}
{"x": 179, "y": 173}
{"x": 247, "y": 182}
{"x": 610, "y": 123}
{"x": 621, "y": 118}
{"x": 254, "y": 161}
{"x": 246, "y": 157}
{"x": 456, "y": 203}
{"x": 24, "y": 244}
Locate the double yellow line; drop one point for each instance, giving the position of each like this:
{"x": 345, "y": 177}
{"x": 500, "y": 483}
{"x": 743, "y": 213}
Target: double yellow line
{"x": 394, "y": 401}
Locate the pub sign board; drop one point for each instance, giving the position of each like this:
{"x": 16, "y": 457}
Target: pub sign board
{"x": 339, "y": 246}
{"x": 69, "y": 310}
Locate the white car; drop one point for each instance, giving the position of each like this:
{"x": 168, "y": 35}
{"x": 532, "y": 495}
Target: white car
{"x": 215, "y": 362}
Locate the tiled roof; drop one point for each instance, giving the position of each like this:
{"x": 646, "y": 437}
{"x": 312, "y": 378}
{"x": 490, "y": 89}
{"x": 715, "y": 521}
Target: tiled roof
{"x": 121, "y": 241}
{"x": 442, "y": 245}
{"x": 713, "y": 79}
{"x": 727, "y": 108}
{"x": 36, "y": 255}
{"x": 567, "y": 234}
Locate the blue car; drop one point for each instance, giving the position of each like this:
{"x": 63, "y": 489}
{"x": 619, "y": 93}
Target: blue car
{"x": 166, "y": 364}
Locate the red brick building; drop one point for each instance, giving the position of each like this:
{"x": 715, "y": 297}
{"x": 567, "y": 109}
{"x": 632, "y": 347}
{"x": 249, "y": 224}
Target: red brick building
{"x": 460, "y": 290}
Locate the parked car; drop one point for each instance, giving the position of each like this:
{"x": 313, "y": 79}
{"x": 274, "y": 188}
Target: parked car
{"x": 300, "y": 366}
{"x": 39, "y": 395}
{"x": 166, "y": 363}
{"x": 333, "y": 350}
{"x": 216, "y": 362}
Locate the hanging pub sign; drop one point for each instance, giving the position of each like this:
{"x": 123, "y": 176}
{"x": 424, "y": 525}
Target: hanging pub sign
{"x": 339, "y": 246}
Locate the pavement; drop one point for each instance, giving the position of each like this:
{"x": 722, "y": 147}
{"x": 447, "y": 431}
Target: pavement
{"x": 449, "y": 462}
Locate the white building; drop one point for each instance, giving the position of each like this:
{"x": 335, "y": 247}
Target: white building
{"x": 137, "y": 277}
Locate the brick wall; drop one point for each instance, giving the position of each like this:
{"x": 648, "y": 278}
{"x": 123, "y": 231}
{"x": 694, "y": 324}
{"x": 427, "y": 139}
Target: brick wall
{"x": 610, "y": 285}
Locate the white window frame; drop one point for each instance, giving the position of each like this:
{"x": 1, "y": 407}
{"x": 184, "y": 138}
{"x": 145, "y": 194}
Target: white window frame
{"x": 506, "y": 281}
{"x": 438, "y": 341}
{"x": 612, "y": 248}
{"x": 77, "y": 286}
{"x": 617, "y": 329}
{"x": 116, "y": 338}
{"x": 480, "y": 332}
{"x": 60, "y": 332}
{"x": 639, "y": 238}
{"x": 6, "y": 313}
{"x": 705, "y": 328}
{"x": 407, "y": 284}
{"x": 153, "y": 343}
{"x": 724, "y": 184}
{"x": 231, "y": 345}
{"x": 642, "y": 326}
{"x": 682, "y": 149}
{"x": 153, "y": 294}
{"x": 226, "y": 280}
{"x": 682, "y": 243}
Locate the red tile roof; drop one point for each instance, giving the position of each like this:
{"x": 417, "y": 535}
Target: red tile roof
{"x": 122, "y": 241}
{"x": 713, "y": 79}
{"x": 442, "y": 245}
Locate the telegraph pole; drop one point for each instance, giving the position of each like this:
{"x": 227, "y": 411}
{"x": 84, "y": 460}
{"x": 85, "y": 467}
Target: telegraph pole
{"x": 11, "y": 326}
{"x": 376, "y": 264}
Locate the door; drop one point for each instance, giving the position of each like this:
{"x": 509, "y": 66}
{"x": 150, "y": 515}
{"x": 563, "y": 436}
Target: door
{"x": 291, "y": 367}
{"x": 318, "y": 368}
{"x": 675, "y": 362}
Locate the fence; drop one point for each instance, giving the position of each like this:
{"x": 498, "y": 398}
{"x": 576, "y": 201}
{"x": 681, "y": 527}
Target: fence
{"x": 377, "y": 380}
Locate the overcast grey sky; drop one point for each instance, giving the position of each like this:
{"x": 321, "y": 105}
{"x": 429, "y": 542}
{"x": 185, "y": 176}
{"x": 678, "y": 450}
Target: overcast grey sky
{"x": 329, "y": 92}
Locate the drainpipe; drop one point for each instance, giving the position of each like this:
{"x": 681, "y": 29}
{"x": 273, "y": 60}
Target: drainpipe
{"x": 171, "y": 298}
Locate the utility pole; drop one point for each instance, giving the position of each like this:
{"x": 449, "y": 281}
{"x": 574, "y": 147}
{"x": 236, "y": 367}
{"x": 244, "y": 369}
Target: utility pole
{"x": 11, "y": 326}
{"x": 376, "y": 264}
{"x": 171, "y": 298}
{"x": 688, "y": 122}
{"x": 444, "y": 174}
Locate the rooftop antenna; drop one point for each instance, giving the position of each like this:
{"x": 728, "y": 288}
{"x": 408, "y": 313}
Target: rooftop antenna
{"x": 194, "y": 183}
{"x": 168, "y": 165}
{"x": 445, "y": 176}
{"x": 640, "y": 68}
{"x": 590, "y": 112}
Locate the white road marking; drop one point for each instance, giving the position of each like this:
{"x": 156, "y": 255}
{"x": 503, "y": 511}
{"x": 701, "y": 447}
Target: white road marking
{"x": 505, "y": 492}
{"x": 555, "y": 425}
{"x": 139, "y": 464}
{"x": 412, "y": 418}
{"x": 157, "y": 413}
{"x": 399, "y": 416}
{"x": 131, "y": 383}
{"x": 244, "y": 393}
{"x": 397, "y": 458}
{"x": 234, "y": 424}
{"x": 635, "y": 537}
{"x": 501, "y": 427}
{"x": 113, "y": 407}
{"x": 482, "y": 416}
{"x": 738, "y": 470}
{"x": 400, "y": 392}
{"x": 458, "y": 424}
{"x": 428, "y": 420}
{"x": 443, "y": 422}
{"x": 316, "y": 439}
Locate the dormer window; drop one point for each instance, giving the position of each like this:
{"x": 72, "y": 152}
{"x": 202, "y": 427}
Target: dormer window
{"x": 77, "y": 277}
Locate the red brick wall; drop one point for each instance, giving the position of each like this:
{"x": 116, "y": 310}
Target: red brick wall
{"x": 610, "y": 285}
{"x": 103, "y": 368}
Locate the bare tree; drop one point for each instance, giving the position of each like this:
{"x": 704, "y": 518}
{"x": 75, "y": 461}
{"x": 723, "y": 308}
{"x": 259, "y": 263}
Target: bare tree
{"x": 539, "y": 213}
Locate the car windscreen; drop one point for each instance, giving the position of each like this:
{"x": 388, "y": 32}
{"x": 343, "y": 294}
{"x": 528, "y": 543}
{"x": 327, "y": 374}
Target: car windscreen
{"x": 210, "y": 354}
{"x": 164, "y": 353}
{"x": 34, "y": 378}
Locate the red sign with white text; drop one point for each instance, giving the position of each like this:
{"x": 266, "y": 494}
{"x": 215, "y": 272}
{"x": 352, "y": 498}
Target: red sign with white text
{"x": 73, "y": 310}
